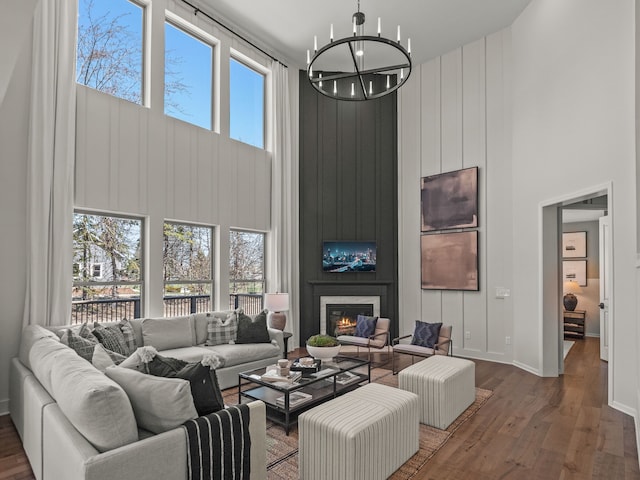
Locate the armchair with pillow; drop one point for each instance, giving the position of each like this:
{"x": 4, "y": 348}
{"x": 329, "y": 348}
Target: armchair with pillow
{"x": 371, "y": 332}
{"x": 427, "y": 339}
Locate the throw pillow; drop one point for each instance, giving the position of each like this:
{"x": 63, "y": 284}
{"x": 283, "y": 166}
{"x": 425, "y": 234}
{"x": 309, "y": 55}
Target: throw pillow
{"x": 221, "y": 332}
{"x": 203, "y": 380}
{"x": 111, "y": 338}
{"x": 129, "y": 336}
{"x": 365, "y": 326}
{"x": 159, "y": 403}
{"x": 253, "y": 331}
{"x": 205, "y": 389}
{"x": 82, "y": 345}
{"x": 103, "y": 358}
{"x": 426, "y": 334}
{"x": 168, "y": 333}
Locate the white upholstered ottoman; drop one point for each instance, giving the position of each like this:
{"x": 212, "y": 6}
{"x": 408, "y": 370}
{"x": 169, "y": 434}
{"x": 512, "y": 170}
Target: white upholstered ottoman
{"x": 366, "y": 434}
{"x": 445, "y": 385}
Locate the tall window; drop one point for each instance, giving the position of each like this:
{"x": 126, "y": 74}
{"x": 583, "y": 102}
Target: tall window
{"x": 110, "y": 39}
{"x": 246, "y": 270}
{"x": 187, "y": 268}
{"x": 246, "y": 107}
{"x": 107, "y": 267}
{"x": 188, "y": 77}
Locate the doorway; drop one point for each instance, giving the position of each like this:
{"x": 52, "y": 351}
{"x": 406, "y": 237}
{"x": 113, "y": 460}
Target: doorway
{"x": 551, "y": 288}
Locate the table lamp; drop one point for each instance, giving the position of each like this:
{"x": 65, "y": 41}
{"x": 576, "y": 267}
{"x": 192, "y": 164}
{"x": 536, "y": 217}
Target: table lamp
{"x": 570, "y": 300}
{"x": 277, "y": 303}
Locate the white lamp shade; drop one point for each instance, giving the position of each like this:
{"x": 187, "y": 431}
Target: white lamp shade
{"x": 276, "y": 302}
{"x": 572, "y": 287}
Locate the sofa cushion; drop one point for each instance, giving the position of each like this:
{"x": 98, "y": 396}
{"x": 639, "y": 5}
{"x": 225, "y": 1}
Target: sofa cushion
{"x": 42, "y": 358}
{"x": 231, "y": 355}
{"x": 111, "y": 337}
{"x": 222, "y": 330}
{"x": 159, "y": 403}
{"x": 103, "y": 358}
{"x": 30, "y": 335}
{"x": 94, "y": 404}
{"x": 168, "y": 333}
{"x": 188, "y": 354}
{"x": 253, "y": 331}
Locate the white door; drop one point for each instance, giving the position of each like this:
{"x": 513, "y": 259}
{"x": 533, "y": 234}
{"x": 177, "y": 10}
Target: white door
{"x": 605, "y": 286}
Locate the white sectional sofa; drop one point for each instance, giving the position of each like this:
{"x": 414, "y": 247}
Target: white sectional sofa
{"x": 76, "y": 423}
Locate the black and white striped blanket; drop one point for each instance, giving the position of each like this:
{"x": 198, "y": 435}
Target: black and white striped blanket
{"x": 219, "y": 446}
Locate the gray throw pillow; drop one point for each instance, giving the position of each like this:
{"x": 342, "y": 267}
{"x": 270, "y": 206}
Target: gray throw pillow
{"x": 111, "y": 338}
{"x": 253, "y": 331}
{"x": 82, "y": 342}
{"x": 426, "y": 334}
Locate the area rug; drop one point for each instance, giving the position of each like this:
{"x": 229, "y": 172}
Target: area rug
{"x": 282, "y": 450}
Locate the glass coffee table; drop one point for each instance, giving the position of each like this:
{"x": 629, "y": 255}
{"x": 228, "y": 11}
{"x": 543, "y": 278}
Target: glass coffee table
{"x": 285, "y": 401}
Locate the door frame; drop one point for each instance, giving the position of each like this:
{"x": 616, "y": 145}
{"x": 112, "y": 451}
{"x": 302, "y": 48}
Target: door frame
{"x": 550, "y": 285}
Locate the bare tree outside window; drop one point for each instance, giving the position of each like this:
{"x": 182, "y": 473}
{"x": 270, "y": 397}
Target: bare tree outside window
{"x": 187, "y": 268}
{"x": 107, "y": 267}
{"x": 246, "y": 270}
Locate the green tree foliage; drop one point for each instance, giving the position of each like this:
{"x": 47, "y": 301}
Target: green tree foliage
{"x": 246, "y": 262}
{"x": 187, "y": 253}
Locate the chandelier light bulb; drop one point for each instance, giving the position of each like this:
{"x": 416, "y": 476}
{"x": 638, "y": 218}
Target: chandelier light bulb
{"x": 354, "y": 26}
{"x": 353, "y": 90}
{"x": 401, "y": 73}
{"x": 310, "y": 72}
{"x": 379, "y": 28}
{"x": 409, "y": 45}
{"x": 388, "y": 84}
{"x": 370, "y": 87}
{"x": 320, "y": 76}
{"x": 331, "y": 33}
{"x": 308, "y": 57}
{"x": 398, "y": 33}
{"x": 315, "y": 43}
{"x": 335, "y": 87}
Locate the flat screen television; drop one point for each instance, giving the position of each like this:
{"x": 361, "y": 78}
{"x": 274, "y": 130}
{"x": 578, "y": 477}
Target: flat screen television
{"x": 350, "y": 256}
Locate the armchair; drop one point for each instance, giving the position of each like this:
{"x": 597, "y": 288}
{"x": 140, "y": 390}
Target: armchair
{"x": 443, "y": 347}
{"x": 379, "y": 339}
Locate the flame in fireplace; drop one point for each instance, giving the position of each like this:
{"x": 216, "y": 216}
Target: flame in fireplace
{"x": 346, "y": 322}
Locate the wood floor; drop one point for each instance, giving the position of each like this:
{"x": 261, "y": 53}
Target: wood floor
{"x": 531, "y": 428}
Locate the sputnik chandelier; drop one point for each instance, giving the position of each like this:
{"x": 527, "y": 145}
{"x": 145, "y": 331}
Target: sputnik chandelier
{"x": 359, "y": 67}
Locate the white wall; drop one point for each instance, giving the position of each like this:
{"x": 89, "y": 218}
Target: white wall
{"x": 544, "y": 108}
{"x": 455, "y": 113}
{"x": 573, "y": 128}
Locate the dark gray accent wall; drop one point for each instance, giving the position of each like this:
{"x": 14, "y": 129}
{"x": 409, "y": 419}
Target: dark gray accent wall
{"x": 348, "y": 191}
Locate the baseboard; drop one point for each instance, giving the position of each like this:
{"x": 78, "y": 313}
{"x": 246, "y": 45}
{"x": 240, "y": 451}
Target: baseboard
{"x": 4, "y": 407}
{"x": 526, "y": 368}
{"x": 625, "y": 409}
{"x": 593, "y": 335}
{"x": 487, "y": 356}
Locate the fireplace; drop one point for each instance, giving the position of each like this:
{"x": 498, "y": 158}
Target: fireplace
{"x": 341, "y": 318}
{"x": 338, "y": 313}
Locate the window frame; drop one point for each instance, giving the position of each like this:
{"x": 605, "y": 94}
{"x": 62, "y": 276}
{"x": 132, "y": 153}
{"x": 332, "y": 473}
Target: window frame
{"x": 266, "y": 96}
{"x": 189, "y": 28}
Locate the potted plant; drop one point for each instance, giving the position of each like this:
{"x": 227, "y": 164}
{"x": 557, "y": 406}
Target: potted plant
{"x": 323, "y": 347}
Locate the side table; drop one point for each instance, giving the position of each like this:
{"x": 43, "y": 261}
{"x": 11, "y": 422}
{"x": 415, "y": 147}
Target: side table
{"x": 286, "y": 336}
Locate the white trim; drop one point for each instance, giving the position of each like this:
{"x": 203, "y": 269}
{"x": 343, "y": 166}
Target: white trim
{"x": 353, "y": 299}
{"x": 527, "y": 368}
{"x": 594, "y": 335}
{"x": 625, "y": 409}
{"x": 4, "y": 407}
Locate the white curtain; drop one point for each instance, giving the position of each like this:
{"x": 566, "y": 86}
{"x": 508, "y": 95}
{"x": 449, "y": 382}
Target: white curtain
{"x": 284, "y": 200}
{"x": 51, "y": 164}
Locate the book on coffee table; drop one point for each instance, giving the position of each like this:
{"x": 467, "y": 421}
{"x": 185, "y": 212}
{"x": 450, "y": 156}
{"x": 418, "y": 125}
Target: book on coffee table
{"x": 295, "y": 399}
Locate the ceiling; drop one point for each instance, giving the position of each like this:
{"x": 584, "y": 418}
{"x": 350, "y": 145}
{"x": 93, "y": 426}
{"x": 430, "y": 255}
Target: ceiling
{"x": 434, "y": 26}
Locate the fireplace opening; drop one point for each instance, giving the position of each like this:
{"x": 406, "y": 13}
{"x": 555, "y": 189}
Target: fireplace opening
{"x": 341, "y": 318}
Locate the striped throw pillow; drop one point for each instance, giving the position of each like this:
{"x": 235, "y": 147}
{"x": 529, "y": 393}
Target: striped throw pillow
{"x": 129, "y": 337}
{"x": 111, "y": 338}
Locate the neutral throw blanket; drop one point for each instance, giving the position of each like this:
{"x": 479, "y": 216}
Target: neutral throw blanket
{"x": 219, "y": 446}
